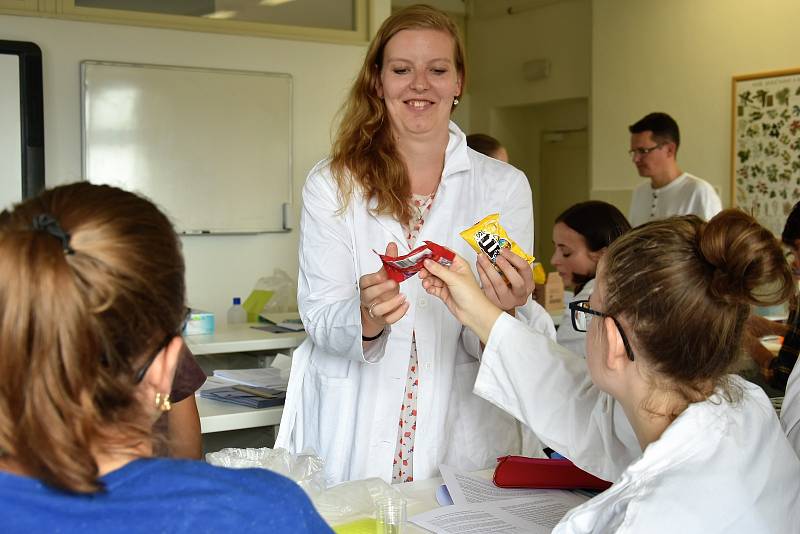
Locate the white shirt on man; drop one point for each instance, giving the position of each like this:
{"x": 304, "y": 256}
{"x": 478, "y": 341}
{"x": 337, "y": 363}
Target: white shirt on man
{"x": 685, "y": 195}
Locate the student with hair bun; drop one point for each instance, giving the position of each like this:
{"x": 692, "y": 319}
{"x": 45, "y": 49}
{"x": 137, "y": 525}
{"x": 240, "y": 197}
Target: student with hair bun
{"x": 581, "y": 235}
{"x": 92, "y": 303}
{"x": 663, "y": 325}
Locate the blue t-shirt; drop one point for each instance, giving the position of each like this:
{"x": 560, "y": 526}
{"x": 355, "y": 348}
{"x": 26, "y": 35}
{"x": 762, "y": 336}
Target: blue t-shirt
{"x": 163, "y": 495}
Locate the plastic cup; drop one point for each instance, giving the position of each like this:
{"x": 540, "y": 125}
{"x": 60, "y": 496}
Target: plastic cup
{"x": 390, "y": 515}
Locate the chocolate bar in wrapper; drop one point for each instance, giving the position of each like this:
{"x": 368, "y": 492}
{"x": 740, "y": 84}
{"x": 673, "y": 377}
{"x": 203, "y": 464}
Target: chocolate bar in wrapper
{"x": 489, "y": 237}
{"x": 401, "y": 268}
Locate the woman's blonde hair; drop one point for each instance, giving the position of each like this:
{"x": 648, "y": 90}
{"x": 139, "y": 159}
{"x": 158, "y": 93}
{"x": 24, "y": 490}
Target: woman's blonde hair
{"x": 364, "y": 153}
{"x": 686, "y": 287}
{"x": 91, "y": 284}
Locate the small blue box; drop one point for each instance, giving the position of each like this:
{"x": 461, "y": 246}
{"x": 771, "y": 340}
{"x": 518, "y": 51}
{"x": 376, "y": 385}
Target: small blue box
{"x": 200, "y": 322}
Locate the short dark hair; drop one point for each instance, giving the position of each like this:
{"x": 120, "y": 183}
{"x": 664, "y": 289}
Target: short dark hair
{"x": 791, "y": 230}
{"x": 664, "y": 128}
{"x": 600, "y": 223}
{"x": 483, "y": 143}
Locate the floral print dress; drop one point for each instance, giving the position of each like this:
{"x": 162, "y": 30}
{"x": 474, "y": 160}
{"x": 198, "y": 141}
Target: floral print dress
{"x": 403, "y": 467}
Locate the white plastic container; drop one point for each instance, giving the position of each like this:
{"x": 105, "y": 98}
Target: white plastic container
{"x": 237, "y": 314}
{"x": 199, "y": 323}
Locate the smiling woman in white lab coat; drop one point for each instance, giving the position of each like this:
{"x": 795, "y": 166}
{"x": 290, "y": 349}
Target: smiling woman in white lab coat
{"x": 667, "y": 316}
{"x": 378, "y": 353}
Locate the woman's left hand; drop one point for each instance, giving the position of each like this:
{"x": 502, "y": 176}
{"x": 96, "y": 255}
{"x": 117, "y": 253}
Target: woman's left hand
{"x": 506, "y": 295}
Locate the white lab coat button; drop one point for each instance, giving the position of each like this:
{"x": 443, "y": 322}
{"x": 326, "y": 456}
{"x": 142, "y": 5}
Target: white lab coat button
{"x": 427, "y": 366}
{"x": 422, "y": 303}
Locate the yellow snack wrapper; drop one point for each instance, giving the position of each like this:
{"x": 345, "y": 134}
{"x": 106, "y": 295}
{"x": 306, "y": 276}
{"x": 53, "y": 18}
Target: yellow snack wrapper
{"x": 489, "y": 237}
{"x": 539, "y": 276}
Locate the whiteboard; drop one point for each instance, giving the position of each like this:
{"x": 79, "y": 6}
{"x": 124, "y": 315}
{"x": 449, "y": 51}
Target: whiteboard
{"x": 10, "y": 136}
{"x": 211, "y": 147}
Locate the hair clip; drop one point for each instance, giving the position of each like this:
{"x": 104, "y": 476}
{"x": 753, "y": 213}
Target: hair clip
{"x": 47, "y": 223}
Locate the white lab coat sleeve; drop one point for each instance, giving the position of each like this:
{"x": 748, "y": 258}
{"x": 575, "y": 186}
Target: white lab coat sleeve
{"x": 328, "y": 294}
{"x": 537, "y": 318}
{"x": 549, "y": 389}
{"x": 516, "y": 216}
{"x": 790, "y": 410}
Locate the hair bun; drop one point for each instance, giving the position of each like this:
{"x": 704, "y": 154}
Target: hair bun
{"x": 748, "y": 263}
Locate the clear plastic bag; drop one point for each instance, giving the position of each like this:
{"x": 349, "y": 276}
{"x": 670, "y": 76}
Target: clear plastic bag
{"x": 338, "y": 505}
{"x": 272, "y": 294}
{"x": 305, "y": 469}
{"x": 284, "y": 291}
{"x": 350, "y": 501}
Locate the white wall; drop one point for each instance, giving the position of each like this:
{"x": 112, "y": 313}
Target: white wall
{"x": 679, "y": 57}
{"x": 503, "y": 103}
{"x": 218, "y": 267}
{"x": 498, "y": 44}
{"x": 521, "y": 128}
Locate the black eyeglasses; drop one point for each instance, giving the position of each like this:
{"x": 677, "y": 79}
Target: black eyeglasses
{"x": 642, "y": 152}
{"x": 150, "y": 359}
{"x": 581, "y": 315}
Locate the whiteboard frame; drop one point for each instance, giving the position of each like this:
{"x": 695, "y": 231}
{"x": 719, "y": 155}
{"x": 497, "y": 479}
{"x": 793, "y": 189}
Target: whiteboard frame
{"x": 285, "y": 209}
{"x": 31, "y": 118}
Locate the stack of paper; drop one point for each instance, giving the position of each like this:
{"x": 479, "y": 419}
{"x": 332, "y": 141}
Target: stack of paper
{"x": 265, "y": 377}
{"x": 281, "y": 322}
{"x": 480, "y": 507}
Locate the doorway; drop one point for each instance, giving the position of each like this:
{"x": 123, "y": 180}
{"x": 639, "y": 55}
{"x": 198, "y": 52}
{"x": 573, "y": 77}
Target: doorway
{"x": 565, "y": 181}
{"x": 549, "y": 143}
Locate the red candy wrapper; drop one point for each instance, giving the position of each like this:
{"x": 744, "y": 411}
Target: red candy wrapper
{"x": 404, "y": 267}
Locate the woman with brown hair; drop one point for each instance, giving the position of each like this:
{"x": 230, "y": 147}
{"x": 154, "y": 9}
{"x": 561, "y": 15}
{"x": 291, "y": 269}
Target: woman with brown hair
{"x": 382, "y": 387}
{"x": 664, "y": 323}
{"x": 91, "y": 309}
{"x": 581, "y": 235}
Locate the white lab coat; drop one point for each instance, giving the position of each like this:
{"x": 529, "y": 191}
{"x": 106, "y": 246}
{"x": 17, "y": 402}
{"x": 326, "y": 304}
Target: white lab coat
{"x": 567, "y": 336}
{"x": 719, "y": 467}
{"x": 790, "y": 410}
{"x": 344, "y": 403}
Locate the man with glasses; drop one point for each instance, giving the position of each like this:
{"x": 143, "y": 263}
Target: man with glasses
{"x": 670, "y": 191}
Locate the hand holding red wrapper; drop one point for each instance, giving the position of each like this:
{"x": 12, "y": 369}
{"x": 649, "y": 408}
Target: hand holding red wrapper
{"x": 401, "y": 268}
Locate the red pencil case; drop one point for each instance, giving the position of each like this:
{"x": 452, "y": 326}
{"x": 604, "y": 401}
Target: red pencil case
{"x": 524, "y": 472}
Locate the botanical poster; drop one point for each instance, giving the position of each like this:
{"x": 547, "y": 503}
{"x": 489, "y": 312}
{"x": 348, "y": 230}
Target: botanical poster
{"x": 766, "y": 146}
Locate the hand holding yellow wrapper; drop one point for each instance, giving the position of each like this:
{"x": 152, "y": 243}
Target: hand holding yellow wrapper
{"x": 489, "y": 237}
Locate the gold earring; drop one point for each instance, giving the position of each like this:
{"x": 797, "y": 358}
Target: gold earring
{"x": 162, "y": 402}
